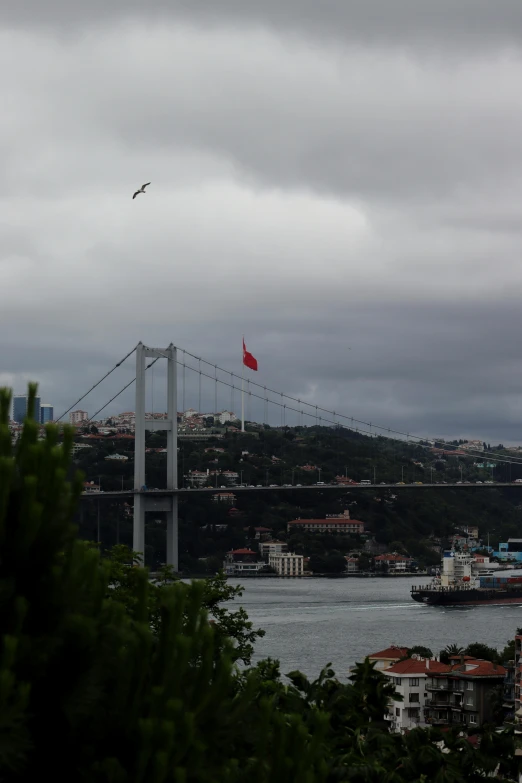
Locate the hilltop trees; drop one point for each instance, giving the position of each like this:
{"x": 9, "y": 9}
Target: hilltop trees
{"x": 451, "y": 650}
{"x": 108, "y": 679}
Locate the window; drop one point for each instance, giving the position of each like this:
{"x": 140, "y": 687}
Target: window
{"x": 469, "y": 686}
{"x": 472, "y": 718}
{"x": 469, "y": 701}
{"x": 397, "y": 712}
{"x": 397, "y": 681}
{"x": 414, "y": 681}
{"x": 414, "y": 697}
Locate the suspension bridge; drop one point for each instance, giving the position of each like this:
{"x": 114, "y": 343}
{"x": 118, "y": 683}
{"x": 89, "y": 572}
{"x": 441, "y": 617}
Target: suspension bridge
{"x": 166, "y": 499}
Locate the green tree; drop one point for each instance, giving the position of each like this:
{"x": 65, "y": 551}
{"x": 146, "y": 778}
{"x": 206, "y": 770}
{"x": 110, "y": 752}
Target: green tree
{"x": 508, "y": 653}
{"x": 229, "y": 625}
{"x": 366, "y": 562}
{"x": 106, "y": 678}
{"x": 451, "y": 650}
{"x": 479, "y": 650}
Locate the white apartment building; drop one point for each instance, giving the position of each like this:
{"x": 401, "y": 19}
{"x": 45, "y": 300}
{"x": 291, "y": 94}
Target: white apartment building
{"x": 76, "y": 417}
{"x": 198, "y": 477}
{"x": 267, "y": 548}
{"x": 410, "y": 678}
{"x": 79, "y": 446}
{"x": 287, "y": 564}
{"x": 226, "y": 416}
{"x": 224, "y": 497}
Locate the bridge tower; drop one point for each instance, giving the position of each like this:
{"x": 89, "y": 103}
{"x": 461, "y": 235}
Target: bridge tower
{"x": 142, "y": 502}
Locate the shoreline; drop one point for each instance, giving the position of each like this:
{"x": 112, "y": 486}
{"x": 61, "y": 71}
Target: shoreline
{"x": 365, "y": 575}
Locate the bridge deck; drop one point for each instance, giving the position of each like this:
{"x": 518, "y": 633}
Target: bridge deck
{"x": 290, "y": 488}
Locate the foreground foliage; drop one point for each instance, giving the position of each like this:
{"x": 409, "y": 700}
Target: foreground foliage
{"x": 104, "y": 677}
{"x": 229, "y": 625}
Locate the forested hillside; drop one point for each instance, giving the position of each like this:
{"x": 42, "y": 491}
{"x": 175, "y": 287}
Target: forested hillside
{"x": 404, "y": 520}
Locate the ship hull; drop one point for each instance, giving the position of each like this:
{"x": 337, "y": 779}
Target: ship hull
{"x": 473, "y": 597}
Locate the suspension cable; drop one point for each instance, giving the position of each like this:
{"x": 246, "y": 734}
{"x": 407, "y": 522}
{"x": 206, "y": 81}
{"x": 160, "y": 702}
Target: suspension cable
{"x": 96, "y": 384}
{"x": 323, "y": 421}
{"x": 91, "y": 418}
{"x": 372, "y": 426}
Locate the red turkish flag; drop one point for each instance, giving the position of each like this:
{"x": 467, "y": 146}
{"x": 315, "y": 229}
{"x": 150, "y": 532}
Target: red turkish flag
{"x": 248, "y": 359}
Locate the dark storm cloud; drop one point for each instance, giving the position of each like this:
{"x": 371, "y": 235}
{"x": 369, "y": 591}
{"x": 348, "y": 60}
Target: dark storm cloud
{"x": 338, "y": 181}
{"x": 475, "y": 22}
{"x": 430, "y": 370}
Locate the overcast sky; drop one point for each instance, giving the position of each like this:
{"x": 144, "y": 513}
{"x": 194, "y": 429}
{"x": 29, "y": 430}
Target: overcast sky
{"x": 339, "y": 181}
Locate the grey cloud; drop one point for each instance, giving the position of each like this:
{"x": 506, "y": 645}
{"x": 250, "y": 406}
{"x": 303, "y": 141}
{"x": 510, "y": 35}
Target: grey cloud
{"x": 350, "y": 124}
{"x": 472, "y": 23}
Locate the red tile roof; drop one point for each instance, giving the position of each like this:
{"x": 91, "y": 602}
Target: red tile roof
{"x": 241, "y": 552}
{"x": 414, "y": 666}
{"x": 480, "y": 668}
{"x": 391, "y": 652}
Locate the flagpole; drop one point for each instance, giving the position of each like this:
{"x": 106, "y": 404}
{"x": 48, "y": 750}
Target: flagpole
{"x": 242, "y": 389}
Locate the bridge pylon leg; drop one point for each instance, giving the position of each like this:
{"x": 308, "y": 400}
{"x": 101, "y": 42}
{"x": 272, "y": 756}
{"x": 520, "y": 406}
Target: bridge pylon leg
{"x": 138, "y": 529}
{"x": 142, "y": 501}
{"x": 172, "y": 534}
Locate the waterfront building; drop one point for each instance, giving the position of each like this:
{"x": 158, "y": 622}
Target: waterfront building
{"x": 287, "y": 564}
{"x": 242, "y": 562}
{"x": 46, "y": 413}
{"x": 352, "y": 564}
{"x": 19, "y": 408}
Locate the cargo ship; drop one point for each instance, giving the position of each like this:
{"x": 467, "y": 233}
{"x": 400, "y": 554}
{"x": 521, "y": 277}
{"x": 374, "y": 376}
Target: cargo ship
{"x": 458, "y": 585}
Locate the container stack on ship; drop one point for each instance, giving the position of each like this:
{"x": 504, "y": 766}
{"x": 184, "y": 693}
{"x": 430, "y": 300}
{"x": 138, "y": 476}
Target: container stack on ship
{"x": 457, "y": 585}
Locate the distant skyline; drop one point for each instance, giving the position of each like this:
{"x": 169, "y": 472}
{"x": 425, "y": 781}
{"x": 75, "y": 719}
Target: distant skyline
{"x": 334, "y": 176}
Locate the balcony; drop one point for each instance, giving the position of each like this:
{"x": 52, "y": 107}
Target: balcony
{"x": 437, "y": 721}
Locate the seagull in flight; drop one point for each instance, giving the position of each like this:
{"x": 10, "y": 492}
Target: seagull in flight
{"x": 141, "y": 190}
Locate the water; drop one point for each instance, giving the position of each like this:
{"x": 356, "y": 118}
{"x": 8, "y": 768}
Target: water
{"x": 312, "y": 622}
